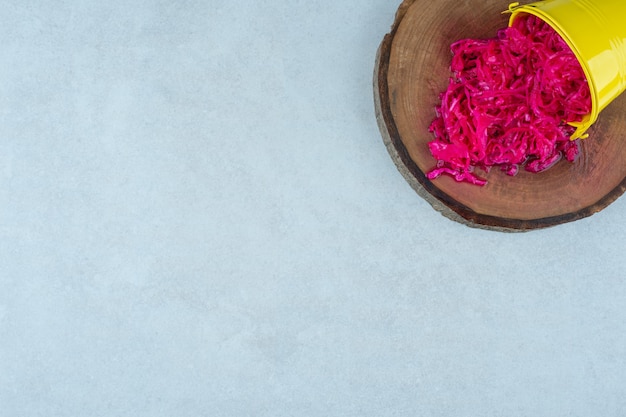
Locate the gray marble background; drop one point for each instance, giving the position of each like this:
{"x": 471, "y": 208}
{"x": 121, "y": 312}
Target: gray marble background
{"x": 198, "y": 217}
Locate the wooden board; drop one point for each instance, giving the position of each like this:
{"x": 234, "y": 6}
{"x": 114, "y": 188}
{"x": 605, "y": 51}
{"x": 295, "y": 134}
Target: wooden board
{"x": 412, "y": 69}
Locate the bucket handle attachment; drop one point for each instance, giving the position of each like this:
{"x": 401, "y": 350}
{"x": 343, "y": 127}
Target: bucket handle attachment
{"x": 512, "y": 7}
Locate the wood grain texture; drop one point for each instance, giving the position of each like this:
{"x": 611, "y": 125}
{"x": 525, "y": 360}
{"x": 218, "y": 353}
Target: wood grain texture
{"x": 412, "y": 69}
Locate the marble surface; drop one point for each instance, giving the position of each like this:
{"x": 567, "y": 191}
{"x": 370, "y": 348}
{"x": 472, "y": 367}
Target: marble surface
{"x": 198, "y": 217}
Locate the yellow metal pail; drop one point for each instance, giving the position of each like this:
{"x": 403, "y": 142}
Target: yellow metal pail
{"x": 595, "y": 30}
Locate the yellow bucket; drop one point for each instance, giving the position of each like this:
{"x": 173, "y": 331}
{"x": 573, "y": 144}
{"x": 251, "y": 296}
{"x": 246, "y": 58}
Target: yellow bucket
{"x": 595, "y": 30}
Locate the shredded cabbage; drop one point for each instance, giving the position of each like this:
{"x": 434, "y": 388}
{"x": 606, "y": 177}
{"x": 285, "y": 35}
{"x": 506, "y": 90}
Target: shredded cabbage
{"x": 508, "y": 104}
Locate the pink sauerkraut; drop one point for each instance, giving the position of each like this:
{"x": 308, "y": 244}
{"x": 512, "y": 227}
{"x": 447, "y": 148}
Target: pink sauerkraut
{"x": 508, "y": 104}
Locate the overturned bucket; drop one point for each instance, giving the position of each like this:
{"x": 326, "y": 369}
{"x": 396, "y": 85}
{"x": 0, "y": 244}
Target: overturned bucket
{"x": 595, "y": 30}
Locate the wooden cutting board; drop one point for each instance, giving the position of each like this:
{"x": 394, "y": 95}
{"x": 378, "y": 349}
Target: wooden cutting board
{"x": 412, "y": 69}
